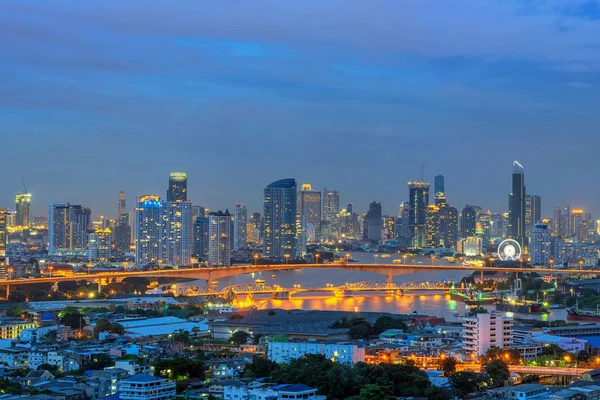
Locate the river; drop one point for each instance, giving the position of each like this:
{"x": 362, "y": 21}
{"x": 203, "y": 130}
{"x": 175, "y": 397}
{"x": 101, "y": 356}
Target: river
{"x": 438, "y": 304}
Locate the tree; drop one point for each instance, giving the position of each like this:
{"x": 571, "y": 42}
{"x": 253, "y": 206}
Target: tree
{"x": 16, "y": 311}
{"x": 374, "y": 392}
{"x": 259, "y": 368}
{"x": 466, "y": 382}
{"x": 17, "y": 297}
{"x": 100, "y": 361}
{"x": 103, "y": 325}
{"x": 179, "y": 368}
{"x": 239, "y": 337}
{"x": 448, "y": 365}
{"x": 73, "y": 319}
{"x": 359, "y": 332}
{"x": 386, "y": 322}
{"x": 497, "y": 372}
{"x": 476, "y": 310}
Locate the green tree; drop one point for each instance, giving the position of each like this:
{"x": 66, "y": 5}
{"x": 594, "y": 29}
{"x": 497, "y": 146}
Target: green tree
{"x": 374, "y": 392}
{"x": 260, "y": 367}
{"x": 179, "y": 368}
{"x": 466, "y": 382}
{"x": 448, "y": 365}
{"x": 498, "y": 373}
{"x": 100, "y": 361}
{"x": 359, "y": 332}
{"x": 16, "y": 311}
{"x": 73, "y": 319}
{"x": 17, "y": 297}
{"x": 239, "y": 337}
{"x": 476, "y": 310}
{"x": 386, "y": 322}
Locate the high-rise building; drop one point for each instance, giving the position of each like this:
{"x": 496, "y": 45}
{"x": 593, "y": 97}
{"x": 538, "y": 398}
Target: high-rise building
{"x": 177, "y": 187}
{"x": 68, "y": 226}
{"x": 279, "y": 201}
{"x": 418, "y": 201}
{"x": 240, "y": 220}
{"x": 540, "y": 246}
{"x": 99, "y": 246}
{"x": 373, "y": 223}
{"x": 516, "y": 206}
{"x": 178, "y": 232}
{"x": 122, "y": 235}
{"x": 122, "y": 208}
{"x": 440, "y": 191}
{"x": 403, "y": 225}
{"x": 432, "y": 226}
{"x": 468, "y": 226}
{"x": 219, "y": 232}
{"x": 23, "y": 202}
{"x": 448, "y": 226}
{"x": 483, "y": 331}
{"x": 256, "y": 229}
{"x": 309, "y": 205}
{"x": 536, "y": 208}
{"x": 201, "y": 237}
{"x": 3, "y": 238}
{"x": 331, "y": 205}
{"x": 149, "y": 227}
{"x": 349, "y": 208}
{"x": 389, "y": 227}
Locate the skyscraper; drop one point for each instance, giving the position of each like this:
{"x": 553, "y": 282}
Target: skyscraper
{"x": 68, "y": 226}
{"x": 418, "y": 201}
{"x": 373, "y": 223}
{"x": 331, "y": 204}
{"x": 23, "y": 202}
{"x": 516, "y": 205}
{"x": 122, "y": 236}
{"x": 448, "y": 226}
{"x": 536, "y": 209}
{"x": 440, "y": 191}
{"x": 432, "y": 226}
{"x": 403, "y": 225}
{"x": 219, "y": 232}
{"x": 3, "y": 235}
{"x": 240, "y": 219}
{"x": 468, "y": 224}
{"x": 309, "y": 205}
{"x": 178, "y": 232}
{"x": 99, "y": 245}
{"x": 149, "y": 237}
{"x": 279, "y": 201}
{"x": 540, "y": 247}
{"x": 122, "y": 208}
{"x": 177, "y": 187}
{"x": 201, "y": 237}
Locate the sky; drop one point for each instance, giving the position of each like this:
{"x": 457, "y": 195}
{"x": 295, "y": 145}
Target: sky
{"x": 102, "y": 96}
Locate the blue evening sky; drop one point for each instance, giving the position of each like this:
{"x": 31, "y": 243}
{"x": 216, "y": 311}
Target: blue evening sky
{"x": 102, "y": 96}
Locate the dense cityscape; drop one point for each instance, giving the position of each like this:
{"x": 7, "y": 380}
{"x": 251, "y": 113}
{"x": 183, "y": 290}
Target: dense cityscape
{"x": 131, "y": 306}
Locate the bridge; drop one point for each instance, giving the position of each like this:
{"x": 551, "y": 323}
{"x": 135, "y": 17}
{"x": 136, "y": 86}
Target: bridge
{"x": 529, "y": 370}
{"x": 340, "y": 291}
{"x": 212, "y": 273}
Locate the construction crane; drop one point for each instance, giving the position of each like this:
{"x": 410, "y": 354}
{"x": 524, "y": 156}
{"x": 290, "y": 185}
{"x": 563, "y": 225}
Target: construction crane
{"x": 24, "y": 187}
{"x": 421, "y": 174}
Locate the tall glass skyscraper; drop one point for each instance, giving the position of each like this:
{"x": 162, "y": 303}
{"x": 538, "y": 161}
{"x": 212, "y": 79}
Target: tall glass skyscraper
{"x": 3, "y": 235}
{"x": 309, "y": 205}
{"x": 149, "y": 237}
{"x": 240, "y": 220}
{"x": 178, "y": 232}
{"x": 440, "y": 191}
{"x": 279, "y": 203}
{"x": 516, "y": 205}
{"x": 201, "y": 238}
{"x": 68, "y": 226}
{"x": 373, "y": 223}
{"x": 177, "y": 187}
{"x": 23, "y": 202}
{"x": 418, "y": 202}
{"x": 219, "y": 232}
{"x": 331, "y": 204}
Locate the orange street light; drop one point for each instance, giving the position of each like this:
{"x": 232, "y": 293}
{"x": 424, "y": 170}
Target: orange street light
{"x": 317, "y": 258}
{"x": 287, "y": 258}
{"x": 255, "y": 258}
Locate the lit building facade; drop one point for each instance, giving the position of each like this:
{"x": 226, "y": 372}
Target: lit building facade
{"x": 279, "y": 202}
{"x": 483, "y": 331}
{"x": 219, "y": 232}
{"x": 23, "y": 203}
{"x": 448, "y": 226}
{"x": 240, "y": 229}
{"x": 470, "y": 246}
{"x": 373, "y": 223}
{"x": 440, "y": 190}
{"x": 149, "y": 236}
{"x": 309, "y": 205}
{"x": 3, "y": 236}
{"x": 178, "y": 232}
{"x": 418, "y": 202}
{"x": 201, "y": 238}
{"x": 516, "y": 206}
{"x": 68, "y": 227}
{"x": 468, "y": 224}
{"x": 540, "y": 246}
{"x": 146, "y": 387}
{"x": 331, "y": 205}
{"x": 99, "y": 245}
{"x": 432, "y": 226}
{"x": 177, "y": 187}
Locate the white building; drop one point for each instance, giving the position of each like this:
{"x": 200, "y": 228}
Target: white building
{"x": 131, "y": 366}
{"x": 99, "y": 245}
{"x": 284, "y": 352}
{"x": 279, "y": 392}
{"x": 146, "y": 387}
{"x": 470, "y": 246}
{"x": 219, "y": 236}
{"x": 540, "y": 245}
{"x": 483, "y": 331}
{"x": 178, "y": 233}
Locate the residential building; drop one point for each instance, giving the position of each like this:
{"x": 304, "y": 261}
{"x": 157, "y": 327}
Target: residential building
{"x": 149, "y": 227}
{"x": 468, "y": 220}
{"x": 240, "y": 221}
{"x": 331, "y": 205}
{"x": 540, "y": 246}
{"x": 516, "y": 206}
{"x": 177, "y": 187}
{"x": 11, "y": 328}
{"x": 279, "y": 201}
{"x": 219, "y": 232}
{"x": 68, "y": 226}
{"x": 201, "y": 237}
{"x": 99, "y": 245}
{"x": 373, "y": 223}
{"x": 284, "y": 352}
{"x": 486, "y": 330}
{"x": 448, "y": 226}
{"x": 440, "y": 191}
{"x": 418, "y": 201}
{"x": 178, "y": 232}
{"x": 23, "y": 203}
{"x": 432, "y": 226}
{"x": 309, "y": 205}
{"x": 146, "y": 387}
{"x": 470, "y": 246}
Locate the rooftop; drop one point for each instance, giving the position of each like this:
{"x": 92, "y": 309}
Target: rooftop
{"x": 143, "y": 378}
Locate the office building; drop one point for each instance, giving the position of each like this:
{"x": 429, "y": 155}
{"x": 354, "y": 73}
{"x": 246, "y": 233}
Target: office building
{"x": 540, "y": 246}
{"x": 468, "y": 226}
{"x": 470, "y": 246}
{"x": 219, "y": 233}
{"x": 23, "y": 203}
{"x": 68, "y": 226}
{"x": 178, "y": 232}
{"x": 432, "y": 226}
{"x": 389, "y": 227}
{"x": 240, "y": 222}
{"x": 122, "y": 235}
{"x": 146, "y": 387}
{"x": 201, "y": 238}
{"x": 331, "y": 205}
{"x": 516, "y": 206}
{"x": 418, "y": 201}
{"x": 440, "y": 191}
{"x": 177, "y": 187}
{"x": 403, "y": 225}
{"x": 149, "y": 227}
{"x": 279, "y": 201}
{"x": 3, "y": 239}
{"x": 309, "y": 205}
{"x": 448, "y": 226}
{"x": 373, "y": 223}
{"x": 99, "y": 246}
{"x": 535, "y": 203}
{"x": 254, "y": 231}
{"x": 483, "y": 331}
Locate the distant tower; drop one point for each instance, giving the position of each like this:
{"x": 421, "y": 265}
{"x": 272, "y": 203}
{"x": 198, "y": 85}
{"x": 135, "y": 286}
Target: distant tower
{"x": 177, "y": 187}
{"x": 516, "y": 205}
{"x": 122, "y": 204}
{"x": 468, "y": 224}
{"x": 149, "y": 245}
{"x": 201, "y": 237}
{"x": 418, "y": 202}
{"x": 331, "y": 205}
{"x": 23, "y": 202}
{"x": 240, "y": 220}
{"x": 540, "y": 247}
{"x": 99, "y": 248}
{"x": 279, "y": 201}
{"x": 68, "y": 226}
{"x": 178, "y": 232}
{"x": 309, "y": 205}
{"x": 219, "y": 232}
{"x": 440, "y": 192}
{"x": 374, "y": 222}
{"x": 3, "y": 236}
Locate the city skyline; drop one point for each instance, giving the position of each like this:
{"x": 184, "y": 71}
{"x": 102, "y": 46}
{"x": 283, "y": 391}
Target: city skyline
{"x": 344, "y": 105}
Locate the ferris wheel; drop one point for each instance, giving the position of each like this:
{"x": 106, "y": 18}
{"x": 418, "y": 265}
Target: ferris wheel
{"x": 509, "y": 250}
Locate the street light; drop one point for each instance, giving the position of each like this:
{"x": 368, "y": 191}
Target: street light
{"x": 50, "y": 268}
{"x": 404, "y": 257}
{"x": 255, "y": 259}
{"x": 347, "y": 257}
{"x": 376, "y": 256}
{"x": 287, "y": 258}
{"x": 317, "y": 258}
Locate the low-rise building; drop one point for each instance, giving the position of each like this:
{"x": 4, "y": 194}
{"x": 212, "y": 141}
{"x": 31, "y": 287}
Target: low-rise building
{"x": 486, "y": 330}
{"x": 344, "y": 352}
{"x": 146, "y": 387}
{"x": 572, "y": 345}
{"x": 11, "y": 328}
